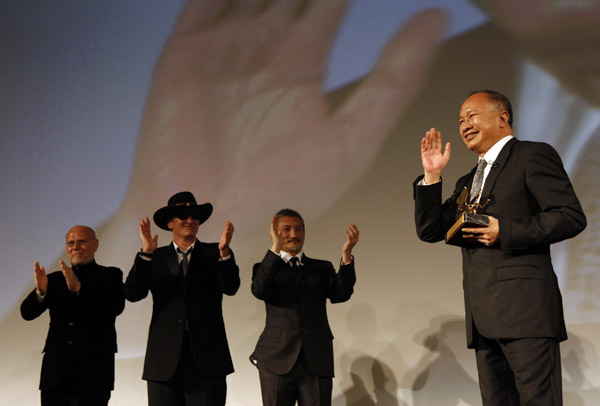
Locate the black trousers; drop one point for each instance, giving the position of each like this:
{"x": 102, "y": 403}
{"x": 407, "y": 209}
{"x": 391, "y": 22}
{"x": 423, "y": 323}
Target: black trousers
{"x": 75, "y": 397}
{"x": 187, "y": 387}
{"x": 519, "y": 372}
{"x": 298, "y": 385}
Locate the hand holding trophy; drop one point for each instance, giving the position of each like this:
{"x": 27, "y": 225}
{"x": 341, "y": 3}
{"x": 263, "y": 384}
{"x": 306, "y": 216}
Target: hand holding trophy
{"x": 467, "y": 218}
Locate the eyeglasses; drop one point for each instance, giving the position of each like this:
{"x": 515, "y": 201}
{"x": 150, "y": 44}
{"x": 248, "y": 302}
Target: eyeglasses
{"x": 184, "y": 215}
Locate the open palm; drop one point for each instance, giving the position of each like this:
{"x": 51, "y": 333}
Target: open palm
{"x": 237, "y": 108}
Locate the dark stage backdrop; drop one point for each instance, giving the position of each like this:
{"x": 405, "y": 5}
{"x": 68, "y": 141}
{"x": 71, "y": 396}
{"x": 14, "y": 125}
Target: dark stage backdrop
{"x": 250, "y": 132}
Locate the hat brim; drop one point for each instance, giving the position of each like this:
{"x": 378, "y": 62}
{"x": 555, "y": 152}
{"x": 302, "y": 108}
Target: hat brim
{"x": 164, "y": 214}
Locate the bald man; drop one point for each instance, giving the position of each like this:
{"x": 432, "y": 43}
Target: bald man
{"x": 84, "y": 301}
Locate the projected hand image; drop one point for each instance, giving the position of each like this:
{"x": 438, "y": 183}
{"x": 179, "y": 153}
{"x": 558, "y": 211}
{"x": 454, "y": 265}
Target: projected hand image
{"x": 563, "y": 36}
{"x": 237, "y": 112}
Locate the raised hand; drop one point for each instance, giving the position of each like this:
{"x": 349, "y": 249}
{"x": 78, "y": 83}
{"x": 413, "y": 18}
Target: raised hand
{"x": 72, "y": 281}
{"x": 41, "y": 279}
{"x": 225, "y": 240}
{"x": 237, "y": 96}
{"x": 149, "y": 243}
{"x": 563, "y": 36}
{"x": 351, "y": 240}
{"x": 275, "y": 237}
{"x": 433, "y": 156}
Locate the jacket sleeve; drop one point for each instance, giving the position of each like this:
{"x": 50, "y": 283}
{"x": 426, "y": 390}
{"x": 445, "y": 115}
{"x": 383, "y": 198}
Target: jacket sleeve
{"x": 559, "y": 215}
{"x": 31, "y": 307}
{"x": 432, "y": 217}
{"x": 139, "y": 280}
{"x": 263, "y": 276}
{"x": 228, "y": 276}
{"x": 341, "y": 284}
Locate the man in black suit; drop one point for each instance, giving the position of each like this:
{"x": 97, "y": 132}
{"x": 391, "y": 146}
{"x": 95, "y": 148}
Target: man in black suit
{"x": 514, "y": 316}
{"x": 187, "y": 358}
{"x": 83, "y": 300}
{"x": 294, "y": 354}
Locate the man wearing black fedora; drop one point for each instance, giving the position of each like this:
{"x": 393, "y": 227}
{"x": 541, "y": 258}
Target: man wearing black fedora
{"x": 187, "y": 357}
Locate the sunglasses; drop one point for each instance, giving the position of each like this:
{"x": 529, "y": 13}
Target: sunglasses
{"x": 183, "y": 215}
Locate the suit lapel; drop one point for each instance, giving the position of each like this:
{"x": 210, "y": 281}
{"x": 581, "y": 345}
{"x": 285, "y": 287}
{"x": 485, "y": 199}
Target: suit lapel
{"x": 497, "y": 168}
{"x": 172, "y": 261}
{"x": 196, "y": 260}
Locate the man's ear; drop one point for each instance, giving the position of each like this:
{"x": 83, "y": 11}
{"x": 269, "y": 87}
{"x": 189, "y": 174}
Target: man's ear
{"x": 504, "y": 118}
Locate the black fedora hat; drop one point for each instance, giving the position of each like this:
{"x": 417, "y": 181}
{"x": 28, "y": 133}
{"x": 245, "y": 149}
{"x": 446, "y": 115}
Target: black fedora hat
{"x": 182, "y": 203}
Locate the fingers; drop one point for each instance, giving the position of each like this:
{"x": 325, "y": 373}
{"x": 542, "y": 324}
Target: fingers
{"x": 39, "y": 270}
{"x": 228, "y": 231}
{"x": 432, "y": 141}
{"x": 145, "y": 225}
{"x": 352, "y": 233}
{"x": 283, "y": 8}
{"x": 320, "y": 23}
{"x": 447, "y": 151}
{"x": 146, "y": 231}
{"x": 300, "y": 35}
{"x": 198, "y": 13}
{"x": 41, "y": 280}
{"x": 273, "y": 226}
{"x": 149, "y": 243}
{"x": 395, "y": 77}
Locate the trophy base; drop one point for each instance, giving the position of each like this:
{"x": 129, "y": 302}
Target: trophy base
{"x": 454, "y": 236}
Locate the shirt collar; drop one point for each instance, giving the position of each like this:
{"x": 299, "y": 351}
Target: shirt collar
{"x": 190, "y": 248}
{"x": 287, "y": 256}
{"x": 493, "y": 152}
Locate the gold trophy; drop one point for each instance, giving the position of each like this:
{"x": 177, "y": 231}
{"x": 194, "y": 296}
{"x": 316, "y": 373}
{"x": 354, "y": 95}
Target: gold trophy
{"x": 467, "y": 218}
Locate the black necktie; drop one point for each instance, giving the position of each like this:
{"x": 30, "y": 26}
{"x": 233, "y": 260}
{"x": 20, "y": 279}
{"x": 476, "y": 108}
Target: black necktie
{"x": 477, "y": 181}
{"x": 184, "y": 261}
{"x": 294, "y": 262}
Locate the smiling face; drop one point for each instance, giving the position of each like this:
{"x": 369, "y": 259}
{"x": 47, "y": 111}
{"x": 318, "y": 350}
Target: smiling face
{"x": 482, "y": 123}
{"x": 184, "y": 230}
{"x": 81, "y": 245}
{"x": 291, "y": 231}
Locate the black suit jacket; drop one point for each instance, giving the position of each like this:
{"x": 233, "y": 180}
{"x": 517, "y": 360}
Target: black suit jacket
{"x": 295, "y": 301}
{"x": 81, "y": 343}
{"x": 194, "y": 301}
{"x": 511, "y": 290}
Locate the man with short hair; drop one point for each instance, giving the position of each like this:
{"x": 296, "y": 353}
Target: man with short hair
{"x": 187, "y": 357}
{"x": 514, "y": 315}
{"x": 84, "y": 301}
{"x": 294, "y": 354}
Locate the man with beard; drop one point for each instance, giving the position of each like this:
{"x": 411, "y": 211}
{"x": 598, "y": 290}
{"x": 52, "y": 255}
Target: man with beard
{"x": 294, "y": 354}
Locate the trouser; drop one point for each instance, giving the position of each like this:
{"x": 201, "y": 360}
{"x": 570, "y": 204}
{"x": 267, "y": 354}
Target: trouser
{"x": 519, "y": 372}
{"x": 298, "y": 385}
{"x": 187, "y": 387}
{"x": 75, "y": 397}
